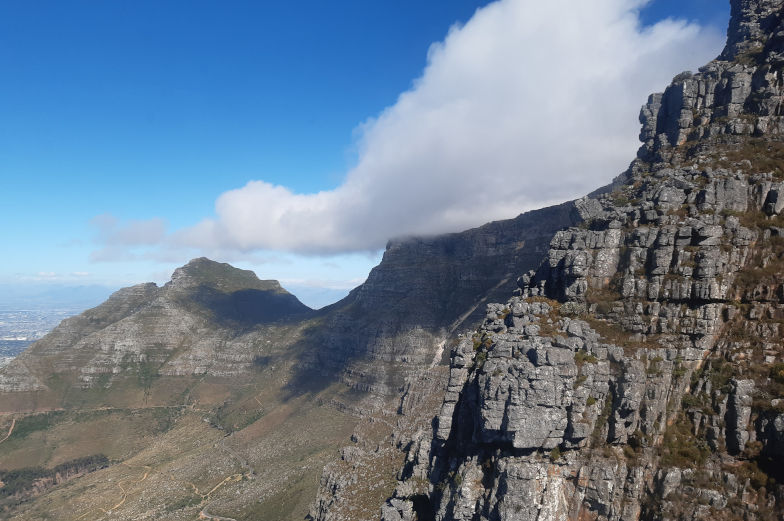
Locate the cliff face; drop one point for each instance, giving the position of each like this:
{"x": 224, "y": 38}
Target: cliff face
{"x": 638, "y": 373}
{"x": 423, "y": 290}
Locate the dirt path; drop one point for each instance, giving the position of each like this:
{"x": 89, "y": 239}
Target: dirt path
{"x": 234, "y": 478}
{"x": 123, "y": 491}
{"x": 10, "y": 431}
{"x": 205, "y": 515}
{"x": 93, "y": 409}
{"x": 203, "y": 496}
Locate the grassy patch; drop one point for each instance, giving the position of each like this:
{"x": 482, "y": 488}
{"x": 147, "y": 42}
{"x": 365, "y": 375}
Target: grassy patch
{"x": 555, "y": 454}
{"x": 34, "y": 423}
{"x": 583, "y": 357}
{"x": 615, "y": 334}
{"x": 681, "y": 448}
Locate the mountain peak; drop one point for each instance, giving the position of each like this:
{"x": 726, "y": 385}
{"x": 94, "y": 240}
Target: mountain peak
{"x": 221, "y": 276}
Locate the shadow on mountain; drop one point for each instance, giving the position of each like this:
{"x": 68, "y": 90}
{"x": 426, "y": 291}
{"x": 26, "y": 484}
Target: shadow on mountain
{"x": 248, "y": 307}
{"x": 424, "y": 291}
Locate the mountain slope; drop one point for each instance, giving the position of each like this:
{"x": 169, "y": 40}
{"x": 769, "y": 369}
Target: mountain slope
{"x": 216, "y": 344}
{"x": 425, "y": 289}
{"x": 191, "y": 326}
{"x": 637, "y": 374}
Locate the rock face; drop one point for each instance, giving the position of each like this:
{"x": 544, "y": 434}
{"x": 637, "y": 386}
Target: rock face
{"x": 423, "y": 290}
{"x": 197, "y": 324}
{"x": 634, "y": 368}
{"x": 638, "y": 372}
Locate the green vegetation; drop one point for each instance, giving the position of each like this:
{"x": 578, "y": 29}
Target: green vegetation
{"x": 604, "y": 298}
{"x": 583, "y": 357}
{"x": 758, "y": 478}
{"x": 764, "y": 156}
{"x": 619, "y": 199}
{"x": 679, "y": 371}
{"x": 21, "y": 481}
{"x": 654, "y": 366}
{"x": 485, "y": 341}
{"x": 146, "y": 374}
{"x": 691, "y": 401}
{"x": 226, "y": 277}
{"x": 681, "y": 448}
{"x": 34, "y": 423}
{"x": 601, "y": 420}
{"x": 549, "y": 324}
{"x": 615, "y": 334}
{"x": 191, "y": 500}
{"x": 480, "y": 360}
{"x": 720, "y": 374}
{"x": 555, "y": 454}
{"x": 777, "y": 373}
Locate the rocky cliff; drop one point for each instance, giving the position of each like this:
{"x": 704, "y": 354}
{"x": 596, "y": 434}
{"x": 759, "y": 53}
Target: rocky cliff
{"x": 638, "y": 372}
{"x": 218, "y": 353}
{"x": 425, "y": 289}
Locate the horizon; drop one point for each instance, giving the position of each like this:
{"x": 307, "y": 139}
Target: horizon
{"x": 140, "y": 138}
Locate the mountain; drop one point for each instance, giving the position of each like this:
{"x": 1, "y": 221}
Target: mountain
{"x": 216, "y": 352}
{"x": 192, "y": 325}
{"x": 615, "y": 357}
{"x": 423, "y": 291}
{"x": 168, "y": 400}
{"x": 638, "y": 372}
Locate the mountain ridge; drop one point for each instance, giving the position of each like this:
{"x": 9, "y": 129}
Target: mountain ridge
{"x": 636, "y": 373}
{"x": 627, "y": 362}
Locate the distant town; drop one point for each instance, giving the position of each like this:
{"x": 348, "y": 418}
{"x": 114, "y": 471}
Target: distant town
{"x": 20, "y": 328}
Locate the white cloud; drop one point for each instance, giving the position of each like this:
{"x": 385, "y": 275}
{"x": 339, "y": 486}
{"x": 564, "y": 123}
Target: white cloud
{"x": 131, "y": 233}
{"x": 529, "y": 103}
{"x": 118, "y": 239}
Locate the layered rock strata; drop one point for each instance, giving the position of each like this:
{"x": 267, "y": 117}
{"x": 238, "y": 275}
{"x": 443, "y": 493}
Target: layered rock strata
{"x": 425, "y": 289}
{"x": 639, "y": 371}
{"x": 210, "y": 319}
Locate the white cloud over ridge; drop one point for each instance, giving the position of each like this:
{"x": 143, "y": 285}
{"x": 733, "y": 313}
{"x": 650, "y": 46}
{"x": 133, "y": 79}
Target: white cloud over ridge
{"x": 529, "y": 103}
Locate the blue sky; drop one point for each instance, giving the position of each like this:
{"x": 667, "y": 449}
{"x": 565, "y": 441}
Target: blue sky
{"x": 123, "y": 123}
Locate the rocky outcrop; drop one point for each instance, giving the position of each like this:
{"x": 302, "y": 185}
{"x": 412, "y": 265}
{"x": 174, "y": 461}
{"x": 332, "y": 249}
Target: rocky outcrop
{"x": 638, "y": 372}
{"x": 739, "y": 94}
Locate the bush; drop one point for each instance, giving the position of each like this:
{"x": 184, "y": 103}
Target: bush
{"x": 582, "y": 356}
{"x": 777, "y": 373}
{"x": 480, "y": 359}
{"x": 555, "y": 454}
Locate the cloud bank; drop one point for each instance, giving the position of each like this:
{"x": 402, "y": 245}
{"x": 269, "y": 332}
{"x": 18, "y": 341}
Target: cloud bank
{"x": 529, "y": 103}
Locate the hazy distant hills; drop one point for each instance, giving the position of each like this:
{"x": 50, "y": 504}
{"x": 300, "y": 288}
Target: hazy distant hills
{"x": 50, "y": 295}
